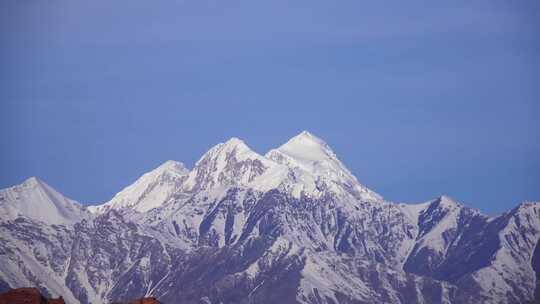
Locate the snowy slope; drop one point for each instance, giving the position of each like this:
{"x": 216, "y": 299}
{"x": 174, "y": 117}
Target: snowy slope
{"x": 149, "y": 191}
{"x": 510, "y": 266}
{"x": 37, "y": 200}
{"x": 443, "y": 217}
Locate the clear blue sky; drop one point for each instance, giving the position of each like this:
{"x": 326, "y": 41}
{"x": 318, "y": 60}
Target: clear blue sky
{"x": 417, "y": 100}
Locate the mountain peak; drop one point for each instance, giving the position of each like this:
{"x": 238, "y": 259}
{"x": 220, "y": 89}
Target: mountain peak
{"x": 446, "y": 201}
{"x": 306, "y": 135}
{"x": 229, "y": 163}
{"x": 313, "y": 156}
{"x": 172, "y": 165}
{"x": 307, "y": 148}
{"x": 446, "y": 197}
{"x": 33, "y": 181}
{"x": 35, "y": 199}
{"x": 234, "y": 141}
{"x": 149, "y": 191}
{"x": 235, "y": 144}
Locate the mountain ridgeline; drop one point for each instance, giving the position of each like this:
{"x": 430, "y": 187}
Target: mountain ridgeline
{"x": 292, "y": 226}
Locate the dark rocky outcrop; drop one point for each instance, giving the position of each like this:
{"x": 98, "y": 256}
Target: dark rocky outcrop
{"x": 141, "y": 301}
{"x": 27, "y": 296}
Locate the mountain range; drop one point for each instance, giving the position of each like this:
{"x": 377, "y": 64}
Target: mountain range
{"x": 291, "y": 226}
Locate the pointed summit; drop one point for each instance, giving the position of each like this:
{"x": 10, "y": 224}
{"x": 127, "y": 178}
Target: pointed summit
{"x": 150, "y": 190}
{"x": 232, "y": 146}
{"x": 32, "y": 181}
{"x": 308, "y": 148}
{"x": 306, "y": 136}
{"x": 36, "y": 200}
{"x": 309, "y": 153}
{"x": 235, "y": 144}
{"x": 312, "y": 156}
{"x": 234, "y": 141}
{"x": 174, "y": 166}
{"x": 226, "y": 164}
{"x": 446, "y": 202}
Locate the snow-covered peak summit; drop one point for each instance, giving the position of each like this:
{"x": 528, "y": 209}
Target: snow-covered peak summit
{"x": 308, "y": 152}
{"x": 446, "y": 202}
{"x": 308, "y": 148}
{"x": 36, "y": 200}
{"x": 173, "y": 166}
{"x": 309, "y": 155}
{"x": 32, "y": 181}
{"x": 307, "y": 137}
{"x": 445, "y": 198}
{"x": 231, "y": 163}
{"x": 439, "y": 215}
{"x": 149, "y": 191}
{"x": 233, "y": 145}
{"x": 235, "y": 141}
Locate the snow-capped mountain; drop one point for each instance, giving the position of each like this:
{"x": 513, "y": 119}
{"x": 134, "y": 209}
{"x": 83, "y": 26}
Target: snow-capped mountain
{"x": 149, "y": 191}
{"x": 292, "y": 226}
{"x": 231, "y": 163}
{"x": 313, "y": 163}
{"x": 36, "y": 200}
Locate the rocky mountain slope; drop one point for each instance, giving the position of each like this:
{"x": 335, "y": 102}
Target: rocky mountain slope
{"x": 240, "y": 226}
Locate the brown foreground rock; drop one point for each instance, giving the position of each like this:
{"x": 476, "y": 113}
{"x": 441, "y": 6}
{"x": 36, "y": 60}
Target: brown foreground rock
{"x": 27, "y": 296}
{"x": 139, "y": 301}
{"x": 33, "y": 296}
{"x": 145, "y": 301}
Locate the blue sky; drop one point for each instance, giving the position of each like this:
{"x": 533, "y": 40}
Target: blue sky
{"x": 418, "y": 100}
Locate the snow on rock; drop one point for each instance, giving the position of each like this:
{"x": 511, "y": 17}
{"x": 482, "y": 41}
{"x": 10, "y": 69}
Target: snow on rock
{"x": 443, "y": 215}
{"x": 37, "y": 200}
{"x": 149, "y": 191}
{"x": 510, "y": 267}
{"x": 315, "y": 165}
{"x": 33, "y": 253}
{"x": 231, "y": 163}
{"x": 413, "y": 211}
{"x": 234, "y": 164}
{"x": 438, "y": 228}
{"x": 240, "y": 225}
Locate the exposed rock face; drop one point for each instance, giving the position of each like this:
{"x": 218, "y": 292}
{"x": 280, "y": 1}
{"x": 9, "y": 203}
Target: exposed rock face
{"x": 294, "y": 226}
{"x": 27, "y": 296}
